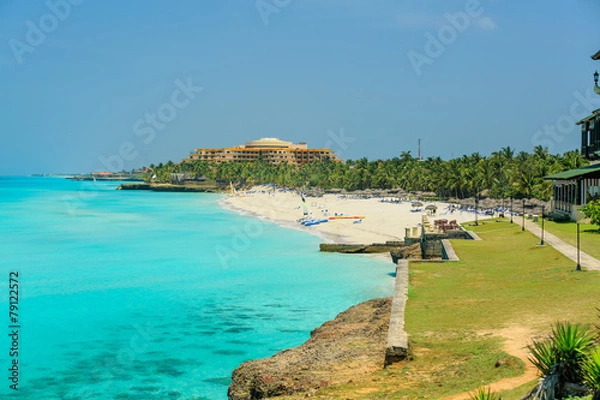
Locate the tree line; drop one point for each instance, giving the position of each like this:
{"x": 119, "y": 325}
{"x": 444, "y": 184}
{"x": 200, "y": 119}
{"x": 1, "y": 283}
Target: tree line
{"x": 503, "y": 174}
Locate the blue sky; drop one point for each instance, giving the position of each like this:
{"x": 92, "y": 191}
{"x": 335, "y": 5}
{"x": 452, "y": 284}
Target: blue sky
{"x": 88, "y": 85}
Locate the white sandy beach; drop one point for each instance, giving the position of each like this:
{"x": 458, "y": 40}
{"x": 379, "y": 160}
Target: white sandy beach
{"x": 382, "y": 222}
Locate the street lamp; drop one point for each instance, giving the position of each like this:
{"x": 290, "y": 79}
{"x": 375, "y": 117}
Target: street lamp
{"x": 543, "y": 212}
{"x": 523, "y": 227}
{"x": 578, "y": 247}
{"x": 511, "y": 210}
{"x": 476, "y": 211}
{"x": 596, "y": 74}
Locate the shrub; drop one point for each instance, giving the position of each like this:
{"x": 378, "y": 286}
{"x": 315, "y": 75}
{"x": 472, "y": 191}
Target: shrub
{"x": 591, "y": 370}
{"x": 483, "y": 394}
{"x": 592, "y": 211}
{"x": 564, "y": 352}
{"x": 543, "y": 355}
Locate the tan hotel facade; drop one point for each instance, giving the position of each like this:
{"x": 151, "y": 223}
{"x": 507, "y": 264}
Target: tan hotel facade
{"x": 272, "y": 151}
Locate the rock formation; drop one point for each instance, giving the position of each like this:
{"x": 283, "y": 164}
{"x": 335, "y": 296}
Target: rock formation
{"x": 354, "y": 342}
{"x": 412, "y": 252}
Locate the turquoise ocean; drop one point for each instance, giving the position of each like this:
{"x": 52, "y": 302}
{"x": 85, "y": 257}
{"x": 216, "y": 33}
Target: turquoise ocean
{"x": 141, "y": 295}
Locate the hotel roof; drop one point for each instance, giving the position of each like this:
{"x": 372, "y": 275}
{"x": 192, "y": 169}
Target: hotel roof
{"x": 575, "y": 173}
{"x": 268, "y": 142}
{"x": 589, "y": 117}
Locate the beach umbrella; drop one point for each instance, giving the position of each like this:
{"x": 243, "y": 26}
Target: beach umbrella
{"x": 484, "y": 193}
{"x": 485, "y": 203}
{"x": 417, "y": 204}
{"x": 431, "y": 207}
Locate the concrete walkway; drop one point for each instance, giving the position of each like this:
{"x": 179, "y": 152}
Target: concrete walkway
{"x": 569, "y": 251}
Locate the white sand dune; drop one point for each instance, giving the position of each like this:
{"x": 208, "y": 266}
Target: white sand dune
{"x": 382, "y": 222}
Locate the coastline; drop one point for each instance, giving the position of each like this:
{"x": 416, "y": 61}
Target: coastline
{"x": 379, "y": 221}
{"x": 328, "y": 237}
{"x": 321, "y": 352}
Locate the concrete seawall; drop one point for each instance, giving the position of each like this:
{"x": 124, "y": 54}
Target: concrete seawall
{"x": 397, "y": 348}
{"x": 448, "y": 253}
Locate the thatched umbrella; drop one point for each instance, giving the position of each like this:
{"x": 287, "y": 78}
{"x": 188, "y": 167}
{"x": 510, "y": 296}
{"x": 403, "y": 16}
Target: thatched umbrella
{"x": 417, "y": 204}
{"x": 432, "y": 207}
{"x": 488, "y": 203}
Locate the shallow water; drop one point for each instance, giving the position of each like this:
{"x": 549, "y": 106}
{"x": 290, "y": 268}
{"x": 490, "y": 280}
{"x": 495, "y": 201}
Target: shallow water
{"x": 141, "y": 295}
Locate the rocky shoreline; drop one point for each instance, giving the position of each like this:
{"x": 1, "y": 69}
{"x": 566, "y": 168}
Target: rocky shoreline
{"x": 353, "y": 343}
{"x": 374, "y": 248}
{"x": 167, "y": 187}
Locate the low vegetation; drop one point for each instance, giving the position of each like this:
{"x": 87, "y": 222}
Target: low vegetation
{"x": 592, "y": 211}
{"x": 483, "y": 394}
{"x": 566, "y": 361}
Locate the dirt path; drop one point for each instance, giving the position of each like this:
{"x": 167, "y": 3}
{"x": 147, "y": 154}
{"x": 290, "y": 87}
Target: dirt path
{"x": 516, "y": 337}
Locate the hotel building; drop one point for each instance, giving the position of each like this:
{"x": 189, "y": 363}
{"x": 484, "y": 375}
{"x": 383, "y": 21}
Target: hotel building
{"x": 270, "y": 150}
{"x": 575, "y": 188}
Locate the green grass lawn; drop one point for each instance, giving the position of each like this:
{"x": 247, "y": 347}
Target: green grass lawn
{"x": 506, "y": 273}
{"x": 454, "y": 308}
{"x": 567, "y": 231}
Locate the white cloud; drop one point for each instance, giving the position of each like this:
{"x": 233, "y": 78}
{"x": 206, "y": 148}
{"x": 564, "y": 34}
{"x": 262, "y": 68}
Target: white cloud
{"x": 486, "y": 23}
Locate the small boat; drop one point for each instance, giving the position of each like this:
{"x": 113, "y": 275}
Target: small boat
{"x": 311, "y": 223}
{"x": 347, "y": 217}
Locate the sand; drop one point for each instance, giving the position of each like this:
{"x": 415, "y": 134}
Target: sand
{"x": 383, "y": 220}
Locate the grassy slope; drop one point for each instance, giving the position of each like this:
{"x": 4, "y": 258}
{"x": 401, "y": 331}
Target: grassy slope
{"x": 567, "y": 231}
{"x": 501, "y": 281}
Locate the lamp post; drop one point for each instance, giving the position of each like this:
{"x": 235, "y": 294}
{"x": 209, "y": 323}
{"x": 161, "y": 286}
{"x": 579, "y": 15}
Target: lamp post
{"x": 543, "y": 212}
{"x": 523, "y": 227}
{"x": 476, "y": 211}
{"x": 511, "y": 210}
{"x": 578, "y": 248}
